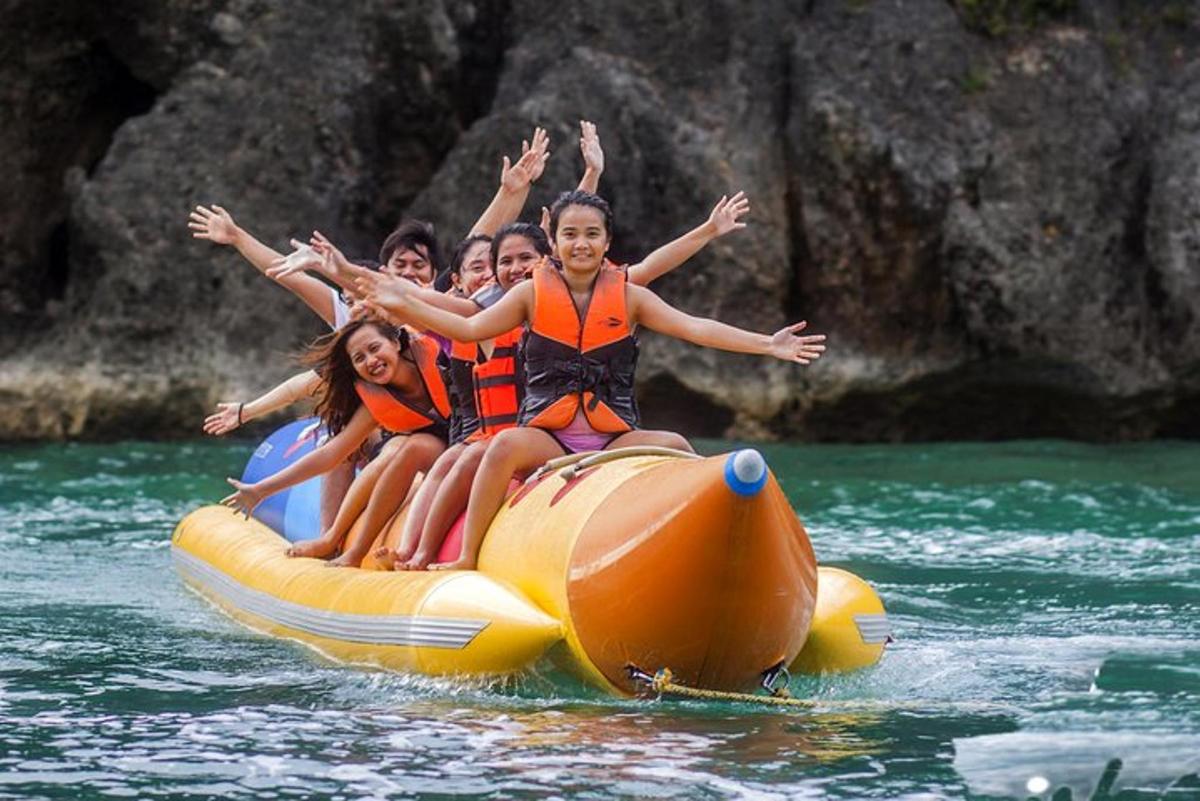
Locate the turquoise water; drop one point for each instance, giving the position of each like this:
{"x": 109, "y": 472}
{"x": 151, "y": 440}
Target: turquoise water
{"x": 1046, "y": 599}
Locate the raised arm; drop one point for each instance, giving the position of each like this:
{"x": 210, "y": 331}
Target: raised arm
{"x": 515, "y": 180}
{"x": 787, "y": 344}
{"x": 324, "y": 257}
{"x": 593, "y": 157}
{"x": 216, "y": 225}
{"x": 722, "y": 220}
{"x": 320, "y": 461}
{"x": 394, "y": 296}
{"x": 230, "y": 416}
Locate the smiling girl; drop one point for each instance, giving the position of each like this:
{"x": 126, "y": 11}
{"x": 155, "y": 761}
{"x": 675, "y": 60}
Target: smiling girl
{"x": 580, "y": 353}
{"x": 377, "y": 376}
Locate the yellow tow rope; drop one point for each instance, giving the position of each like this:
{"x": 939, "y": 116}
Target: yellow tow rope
{"x": 662, "y": 684}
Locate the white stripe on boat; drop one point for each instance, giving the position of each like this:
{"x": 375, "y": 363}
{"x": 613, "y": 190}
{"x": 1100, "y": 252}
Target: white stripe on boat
{"x": 873, "y": 628}
{"x": 415, "y": 630}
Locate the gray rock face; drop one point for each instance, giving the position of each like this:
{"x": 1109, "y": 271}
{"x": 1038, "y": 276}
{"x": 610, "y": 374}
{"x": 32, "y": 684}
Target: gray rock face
{"x": 999, "y": 234}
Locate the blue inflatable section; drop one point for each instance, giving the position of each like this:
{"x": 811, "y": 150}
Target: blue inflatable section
{"x": 294, "y": 513}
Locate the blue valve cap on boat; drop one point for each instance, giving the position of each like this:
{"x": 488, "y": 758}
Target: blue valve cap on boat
{"x": 746, "y": 472}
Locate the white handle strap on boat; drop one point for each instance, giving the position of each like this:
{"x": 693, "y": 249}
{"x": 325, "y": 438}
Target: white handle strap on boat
{"x": 572, "y": 463}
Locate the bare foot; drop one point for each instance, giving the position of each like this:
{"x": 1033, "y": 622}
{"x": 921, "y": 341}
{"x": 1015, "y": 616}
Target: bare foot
{"x": 315, "y": 549}
{"x": 462, "y": 563}
{"x": 385, "y": 557}
{"x": 345, "y": 560}
{"x": 419, "y": 561}
{"x": 405, "y": 555}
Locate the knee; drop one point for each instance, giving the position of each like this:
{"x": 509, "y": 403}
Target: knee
{"x": 426, "y": 450}
{"x": 444, "y": 464}
{"x": 473, "y": 456}
{"x": 465, "y": 468}
{"x": 676, "y": 441}
{"x": 664, "y": 439}
{"x": 392, "y": 446}
{"x": 503, "y": 448}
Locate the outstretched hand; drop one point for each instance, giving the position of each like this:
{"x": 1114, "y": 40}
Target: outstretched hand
{"x": 787, "y": 344}
{"x": 302, "y": 259}
{"x": 223, "y": 420}
{"x": 516, "y": 177}
{"x": 589, "y": 146}
{"x": 380, "y": 292}
{"x": 331, "y": 256}
{"x": 215, "y": 225}
{"x": 725, "y": 215}
{"x": 245, "y": 499}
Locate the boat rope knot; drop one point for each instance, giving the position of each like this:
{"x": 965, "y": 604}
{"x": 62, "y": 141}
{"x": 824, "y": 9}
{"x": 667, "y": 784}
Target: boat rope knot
{"x": 663, "y": 683}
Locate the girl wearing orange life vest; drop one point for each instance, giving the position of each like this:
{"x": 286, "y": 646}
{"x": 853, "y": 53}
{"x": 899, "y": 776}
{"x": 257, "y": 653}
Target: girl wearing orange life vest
{"x": 596, "y": 380}
{"x": 376, "y": 376}
{"x": 471, "y": 271}
{"x": 516, "y": 250}
{"x": 492, "y": 378}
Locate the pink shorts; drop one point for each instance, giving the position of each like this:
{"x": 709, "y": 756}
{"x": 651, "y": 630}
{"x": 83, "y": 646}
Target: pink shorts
{"x": 580, "y": 436}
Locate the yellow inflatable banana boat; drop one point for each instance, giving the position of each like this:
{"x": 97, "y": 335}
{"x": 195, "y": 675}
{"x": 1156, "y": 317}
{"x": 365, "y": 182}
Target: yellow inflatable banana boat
{"x": 640, "y": 558}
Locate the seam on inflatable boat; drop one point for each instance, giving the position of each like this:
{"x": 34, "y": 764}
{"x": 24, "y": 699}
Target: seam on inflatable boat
{"x": 432, "y": 632}
{"x": 873, "y": 629}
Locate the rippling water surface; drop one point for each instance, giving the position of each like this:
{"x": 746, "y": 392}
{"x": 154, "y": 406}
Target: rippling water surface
{"x": 1046, "y": 598}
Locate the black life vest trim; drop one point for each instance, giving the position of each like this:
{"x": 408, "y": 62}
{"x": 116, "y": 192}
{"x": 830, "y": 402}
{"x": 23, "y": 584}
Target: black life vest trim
{"x": 495, "y": 381}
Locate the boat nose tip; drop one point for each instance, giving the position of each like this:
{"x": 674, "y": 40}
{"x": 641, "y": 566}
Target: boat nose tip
{"x": 745, "y": 472}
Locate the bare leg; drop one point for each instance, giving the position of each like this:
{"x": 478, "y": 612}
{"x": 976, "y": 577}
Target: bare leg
{"x": 334, "y": 486}
{"x": 663, "y": 439}
{"x": 420, "y": 508}
{"x": 419, "y": 453}
{"x": 447, "y": 506}
{"x": 352, "y": 505}
{"x": 517, "y": 449}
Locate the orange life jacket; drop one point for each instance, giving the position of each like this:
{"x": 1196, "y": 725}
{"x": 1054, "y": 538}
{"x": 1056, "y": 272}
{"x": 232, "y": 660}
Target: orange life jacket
{"x": 497, "y": 395}
{"x": 398, "y": 414}
{"x": 574, "y": 361}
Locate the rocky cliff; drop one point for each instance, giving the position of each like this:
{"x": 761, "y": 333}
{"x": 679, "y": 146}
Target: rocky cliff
{"x": 989, "y": 206}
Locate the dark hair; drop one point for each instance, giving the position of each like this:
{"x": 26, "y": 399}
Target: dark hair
{"x": 411, "y": 235}
{"x": 328, "y": 357}
{"x": 533, "y": 233}
{"x": 369, "y": 264}
{"x": 581, "y": 198}
{"x": 460, "y": 252}
{"x": 443, "y": 281}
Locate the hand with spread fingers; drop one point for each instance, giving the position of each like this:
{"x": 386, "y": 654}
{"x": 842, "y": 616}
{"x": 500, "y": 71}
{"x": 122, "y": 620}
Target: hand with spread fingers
{"x": 790, "y": 346}
{"x": 225, "y": 419}
{"x": 541, "y": 146}
{"x": 245, "y": 499}
{"x": 382, "y": 292}
{"x": 516, "y": 177}
{"x": 589, "y": 146}
{"x": 726, "y": 214}
{"x": 214, "y": 224}
{"x": 303, "y": 258}
{"x": 333, "y": 258}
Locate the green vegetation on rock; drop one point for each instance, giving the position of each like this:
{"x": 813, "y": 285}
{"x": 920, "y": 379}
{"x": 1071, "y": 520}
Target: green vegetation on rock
{"x": 999, "y": 17}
